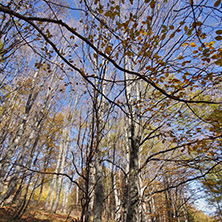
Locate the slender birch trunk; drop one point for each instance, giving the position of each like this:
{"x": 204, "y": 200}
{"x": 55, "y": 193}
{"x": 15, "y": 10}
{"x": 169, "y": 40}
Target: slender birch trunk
{"x": 49, "y": 200}
{"x": 67, "y": 190}
{"x": 117, "y": 208}
{"x": 5, "y": 161}
{"x": 64, "y": 144}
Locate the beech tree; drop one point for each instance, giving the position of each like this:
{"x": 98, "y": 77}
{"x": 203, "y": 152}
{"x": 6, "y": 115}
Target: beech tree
{"x": 155, "y": 62}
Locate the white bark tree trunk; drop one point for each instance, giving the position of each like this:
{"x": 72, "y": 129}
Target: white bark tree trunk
{"x": 64, "y": 144}
{"x": 6, "y": 159}
{"x": 134, "y": 133}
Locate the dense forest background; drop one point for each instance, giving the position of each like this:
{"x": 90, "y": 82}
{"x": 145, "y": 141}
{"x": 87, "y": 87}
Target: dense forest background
{"x": 111, "y": 110}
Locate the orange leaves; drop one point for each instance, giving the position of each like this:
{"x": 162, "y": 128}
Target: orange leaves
{"x": 185, "y": 44}
{"x": 210, "y": 44}
{"x": 193, "y": 44}
{"x": 206, "y": 52}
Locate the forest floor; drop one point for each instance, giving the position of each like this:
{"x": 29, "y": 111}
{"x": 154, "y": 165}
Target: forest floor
{"x": 7, "y": 214}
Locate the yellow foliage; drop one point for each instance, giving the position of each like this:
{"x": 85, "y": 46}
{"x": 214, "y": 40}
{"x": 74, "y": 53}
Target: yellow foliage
{"x": 193, "y": 44}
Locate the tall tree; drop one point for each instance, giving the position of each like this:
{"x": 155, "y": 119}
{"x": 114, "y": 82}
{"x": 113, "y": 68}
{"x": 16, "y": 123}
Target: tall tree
{"x": 164, "y": 58}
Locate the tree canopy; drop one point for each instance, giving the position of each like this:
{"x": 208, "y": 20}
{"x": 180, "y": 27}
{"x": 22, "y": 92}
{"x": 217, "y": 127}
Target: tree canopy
{"x": 113, "y": 105}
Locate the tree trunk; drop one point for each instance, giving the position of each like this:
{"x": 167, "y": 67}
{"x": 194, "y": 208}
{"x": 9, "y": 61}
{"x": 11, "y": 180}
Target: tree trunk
{"x": 98, "y": 112}
{"x": 99, "y": 192}
{"x": 132, "y": 93}
{"x": 64, "y": 147}
{"x": 117, "y": 200}
{"x": 132, "y": 212}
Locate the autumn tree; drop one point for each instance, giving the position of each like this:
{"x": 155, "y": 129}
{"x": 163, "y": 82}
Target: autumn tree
{"x": 165, "y": 58}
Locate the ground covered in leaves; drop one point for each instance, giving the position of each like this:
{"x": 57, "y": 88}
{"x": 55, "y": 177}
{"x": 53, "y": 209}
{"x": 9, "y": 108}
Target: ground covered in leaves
{"x": 7, "y": 214}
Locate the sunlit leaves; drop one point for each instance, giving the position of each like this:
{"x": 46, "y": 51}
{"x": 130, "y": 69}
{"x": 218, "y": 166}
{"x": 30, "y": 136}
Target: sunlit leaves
{"x": 185, "y": 44}
{"x": 193, "y": 44}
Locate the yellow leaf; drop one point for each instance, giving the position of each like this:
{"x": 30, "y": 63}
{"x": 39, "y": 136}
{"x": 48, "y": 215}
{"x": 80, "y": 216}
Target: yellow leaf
{"x": 185, "y": 44}
{"x": 211, "y": 43}
{"x": 193, "y": 44}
